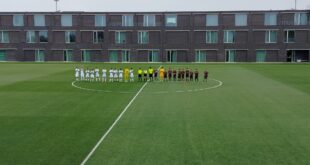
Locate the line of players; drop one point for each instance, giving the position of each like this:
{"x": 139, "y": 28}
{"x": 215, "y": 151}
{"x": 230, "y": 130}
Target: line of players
{"x": 181, "y": 74}
{"x": 115, "y": 75}
{"x": 120, "y": 75}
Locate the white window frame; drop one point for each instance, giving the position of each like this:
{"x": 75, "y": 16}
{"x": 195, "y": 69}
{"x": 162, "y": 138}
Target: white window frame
{"x": 146, "y": 22}
{"x": 297, "y": 18}
{"x": 269, "y": 15}
{"x": 40, "y": 17}
{"x": 212, "y": 15}
{"x": 103, "y": 19}
{"x": 67, "y": 36}
{"x": 2, "y": 37}
{"x": 140, "y": 37}
{"x": 64, "y": 22}
{"x": 16, "y": 17}
{"x": 96, "y": 38}
{"x": 30, "y": 36}
{"x": 243, "y": 16}
{"x": 226, "y": 32}
{"x": 170, "y": 24}
{"x": 268, "y": 40}
{"x": 207, "y": 36}
{"x": 40, "y": 35}
{"x": 286, "y": 39}
{"x": 126, "y": 22}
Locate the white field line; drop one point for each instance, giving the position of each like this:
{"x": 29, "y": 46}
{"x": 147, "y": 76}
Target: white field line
{"x": 111, "y": 127}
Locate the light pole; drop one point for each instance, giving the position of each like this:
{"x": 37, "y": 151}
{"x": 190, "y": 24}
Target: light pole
{"x": 56, "y": 5}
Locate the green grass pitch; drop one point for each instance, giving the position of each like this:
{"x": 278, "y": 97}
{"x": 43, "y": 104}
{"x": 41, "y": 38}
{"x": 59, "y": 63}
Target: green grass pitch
{"x": 260, "y": 115}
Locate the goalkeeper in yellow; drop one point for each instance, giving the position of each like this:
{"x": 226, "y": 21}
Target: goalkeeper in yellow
{"x": 126, "y": 74}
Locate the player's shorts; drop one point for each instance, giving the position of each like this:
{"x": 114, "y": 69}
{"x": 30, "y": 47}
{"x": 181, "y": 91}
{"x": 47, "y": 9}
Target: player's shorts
{"x": 131, "y": 76}
{"x": 76, "y": 75}
{"x": 150, "y": 75}
{"x": 139, "y": 75}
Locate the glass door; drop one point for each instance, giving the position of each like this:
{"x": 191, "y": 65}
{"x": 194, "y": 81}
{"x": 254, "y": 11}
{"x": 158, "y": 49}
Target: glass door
{"x": 68, "y": 55}
{"x": 113, "y": 56}
{"x": 86, "y": 56}
{"x": 2, "y": 55}
{"x": 171, "y": 56}
{"x": 153, "y": 56}
{"x": 39, "y": 56}
{"x": 125, "y": 56}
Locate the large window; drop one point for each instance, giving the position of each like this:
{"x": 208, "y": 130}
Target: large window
{"x": 241, "y": 19}
{"x": 153, "y": 56}
{"x": 127, "y": 20}
{"x": 39, "y": 20}
{"x": 289, "y": 36}
{"x": 229, "y": 36}
{"x": 86, "y": 56}
{"x": 70, "y": 36}
{"x": 113, "y": 56}
{"x": 43, "y": 36}
{"x": 200, "y": 56}
{"x": 211, "y": 37}
{"x": 171, "y": 20}
{"x": 230, "y": 55}
{"x": 30, "y": 37}
{"x": 143, "y": 37}
{"x": 212, "y": 20}
{"x": 18, "y": 20}
{"x": 120, "y": 37}
{"x": 98, "y": 36}
{"x": 68, "y": 55}
{"x": 149, "y": 20}
{"x": 171, "y": 56}
{"x": 301, "y": 19}
{"x": 260, "y": 55}
{"x": 66, "y": 20}
{"x": 270, "y": 19}
{"x": 4, "y": 37}
{"x": 2, "y": 55}
{"x": 271, "y": 36}
{"x": 125, "y": 56}
{"x": 100, "y": 20}
{"x": 39, "y": 56}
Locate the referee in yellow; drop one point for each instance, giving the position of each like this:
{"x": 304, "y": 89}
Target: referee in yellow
{"x": 151, "y": 72}
{"x": 140, "y": 75}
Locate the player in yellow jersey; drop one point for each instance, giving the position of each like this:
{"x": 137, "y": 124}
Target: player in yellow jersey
{"x": 126, "y": 74}
{"x": 151, "y": 72}
{"x": 140, "y": 75}
{"x": 161, "y": 73}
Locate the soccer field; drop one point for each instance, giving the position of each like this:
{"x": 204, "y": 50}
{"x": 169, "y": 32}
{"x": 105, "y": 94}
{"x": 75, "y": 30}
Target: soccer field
{"x": 246, "y": 114}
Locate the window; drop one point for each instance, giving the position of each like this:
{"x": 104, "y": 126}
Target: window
{"x": 212, "y": 20}
{"x": 289, "y": 36}
{"x": 100, "y": 20}
{"x": 4, "y": 37}
{"x": 43, "y": 36}
{"x": 171, "y": 56}
{"x": 143, "y": 37}
{"x": 271, "y": 36}
{"x": 260, "y": 55}
{"x": 68, "y": 55}
{"x": 30, "y": 36}
{"x": 171, "y": 20}
{"x": 113, "y": 56}
{"x": 125, "y": 56}
{"x": 301, "y": 19}
{"x": 229, "y": 36}
{"x": 127, "y": 20}
{"x": 18, "y": 20}
{"x": 70, "y": 36}
{"x": 39, "y": 20}
{"x": 200, "y": 56}
{"x": 2, "y": 55}
{"x": 270, "y": 18}
{"x": 98, "y": 37}
{"x": 85, "y": 56}
{"x": 241, "y": 19}
{"x": 149, "y": 20}
{"x": 66, "y": 20}
{"x": 230, "y": 55}
{"x": 211, "y": 37}
{"x": 120, "y": 37}
{"x": 153, "y": 56}
{"x": 39, "y": 56}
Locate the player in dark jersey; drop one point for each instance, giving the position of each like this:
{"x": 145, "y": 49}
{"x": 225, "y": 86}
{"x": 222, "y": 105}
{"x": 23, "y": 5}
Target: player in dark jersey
{"x": 196, "y": 75}
{"x": 182, "y": 74}
{"x": 156, "y": 74}
{"x": 165, "y": 76}
{"x": 191, "y": 75}
{"x": 179, "y": 75}
{"x": 174, "y": 73}
{"x": 206, "y": 74}
{"x": 169, "y": 74}
{"x": 187, "y": 74}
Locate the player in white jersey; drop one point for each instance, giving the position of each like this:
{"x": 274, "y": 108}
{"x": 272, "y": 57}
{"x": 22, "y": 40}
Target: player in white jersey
{"x": 131, "y": 75}
{"x": 97, "y": 74}
{"x": 87, "y": 74}
{"x": 77, "y": 73}
{"x": 92, "y": 75}
{"x": 82, "y": 74}
{"x": 115, "y": 74}
{"x": 120, "y": 75}
{"x": 111, "y": 77}
{"x": 104, "y": 75}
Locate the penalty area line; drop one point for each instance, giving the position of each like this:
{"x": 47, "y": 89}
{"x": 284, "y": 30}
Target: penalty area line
{"x": 111, "y": 127}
